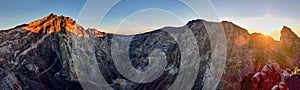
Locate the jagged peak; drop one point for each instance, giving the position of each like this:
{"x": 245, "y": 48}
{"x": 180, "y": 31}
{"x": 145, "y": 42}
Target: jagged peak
{"x": 287, "y": 33}
{"x": 96, "y": 32}
{"x": 231, "y": 23}
{"x": 286, "y": 30}
{"x": 52, "y": 23}
{"x": 194, "y": 21}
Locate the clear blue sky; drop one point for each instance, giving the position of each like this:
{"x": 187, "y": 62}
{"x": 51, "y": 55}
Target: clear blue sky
{"x": 16, "y": 12}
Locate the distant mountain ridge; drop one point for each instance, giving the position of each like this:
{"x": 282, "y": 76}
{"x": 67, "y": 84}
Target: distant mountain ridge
{"x": 38, "y": 56}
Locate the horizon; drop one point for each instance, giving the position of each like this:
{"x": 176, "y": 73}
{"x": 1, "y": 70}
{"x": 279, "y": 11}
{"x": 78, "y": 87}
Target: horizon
{"x": 267, "y": 17}
{"x": 153, "y": 29}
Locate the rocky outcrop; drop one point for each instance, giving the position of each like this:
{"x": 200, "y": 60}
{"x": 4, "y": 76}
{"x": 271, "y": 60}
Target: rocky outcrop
{"x": 249, "y": 54}
{"x": 289, "y": 38}
{"x": 267, "y": 78}
{"x": 41, "y": 54}
{"x": 291, "y": 44}
{"x": 54, "y": 23}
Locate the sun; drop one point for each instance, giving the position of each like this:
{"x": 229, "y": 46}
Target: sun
{"x": 267, "y": 24}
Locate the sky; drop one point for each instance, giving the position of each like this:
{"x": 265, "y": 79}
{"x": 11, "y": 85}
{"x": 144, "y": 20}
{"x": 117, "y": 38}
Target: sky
{"x": 264, "y": 16}
{"x": 137, "y": 16}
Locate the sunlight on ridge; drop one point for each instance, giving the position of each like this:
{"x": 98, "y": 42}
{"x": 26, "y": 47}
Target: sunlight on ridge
{"x": 268, "y": 25}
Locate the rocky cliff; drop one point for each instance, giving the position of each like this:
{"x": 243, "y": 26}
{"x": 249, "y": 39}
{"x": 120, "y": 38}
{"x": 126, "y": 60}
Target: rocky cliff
{"x": 258, "y": 60}
{"x": 41, "y": 54}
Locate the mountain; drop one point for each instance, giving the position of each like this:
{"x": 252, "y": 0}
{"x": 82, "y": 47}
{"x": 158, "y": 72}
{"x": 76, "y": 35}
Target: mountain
{"x": 45, "y": 54}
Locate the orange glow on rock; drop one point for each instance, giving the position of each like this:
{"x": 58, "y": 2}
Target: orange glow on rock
{"x": 54, "y": 23}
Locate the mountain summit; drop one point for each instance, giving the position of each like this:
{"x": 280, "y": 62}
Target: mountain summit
{"x": 52, "y": 23}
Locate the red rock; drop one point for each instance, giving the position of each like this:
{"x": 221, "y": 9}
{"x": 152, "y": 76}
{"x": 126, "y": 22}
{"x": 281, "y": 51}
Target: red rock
{"x": 268, "y": 78}
{"x": 293, "y": 82}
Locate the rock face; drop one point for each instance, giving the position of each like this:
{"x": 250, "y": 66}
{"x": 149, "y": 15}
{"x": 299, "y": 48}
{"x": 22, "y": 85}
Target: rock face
{"x": 256, "y": 58}
{"x": 40, "y": 55}
{"x": 37, "y": 57}
{"x": 268, "y": 77}
{"x": 141, "y": 46}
